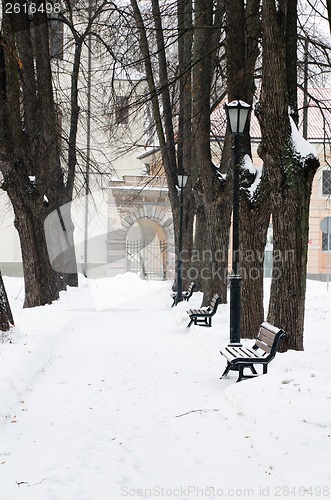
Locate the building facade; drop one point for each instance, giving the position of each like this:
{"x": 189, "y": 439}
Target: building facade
{"x": 118, "y": 151}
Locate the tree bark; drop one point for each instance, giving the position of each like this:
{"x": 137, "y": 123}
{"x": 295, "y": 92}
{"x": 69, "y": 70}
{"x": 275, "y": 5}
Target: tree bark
{"x": 211, "y": 192}
{"x": 254, "y": 222}
{"x": 6, "y": 317}
{"x": 164, "y": 125}
{"x": 289, "y": 174}
{"x": 31, "y": 168}
{"x": 243, "y": 31}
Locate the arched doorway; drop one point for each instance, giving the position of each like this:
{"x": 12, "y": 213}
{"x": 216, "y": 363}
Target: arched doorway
{"x": 146, "y": 250}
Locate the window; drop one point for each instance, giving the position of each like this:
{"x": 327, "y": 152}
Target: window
{"x": 325, "y": 240}
{"x": 326, "y": 182}
{"x": 122, "y": 110}
{"x": 326, "y": 234}
{"x": 56, "y": 39}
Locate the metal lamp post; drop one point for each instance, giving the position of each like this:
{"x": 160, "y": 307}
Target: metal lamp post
{"x": 181, "y": 181}
{"x": 237, "y": 113}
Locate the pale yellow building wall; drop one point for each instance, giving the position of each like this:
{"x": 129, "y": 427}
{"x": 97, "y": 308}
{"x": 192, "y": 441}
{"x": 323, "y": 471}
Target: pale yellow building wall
{"x": 320, "y": 207}
{"x": 319, "y": 261}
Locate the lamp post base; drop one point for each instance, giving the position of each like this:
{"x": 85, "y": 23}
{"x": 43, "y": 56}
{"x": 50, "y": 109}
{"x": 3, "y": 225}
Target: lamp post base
{"x": 235, "y": 307}
{"x": 178, "y": 299}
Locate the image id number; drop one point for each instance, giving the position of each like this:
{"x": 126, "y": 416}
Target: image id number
{"x": 302, "y": 491}
{"x": 32, "y": 8}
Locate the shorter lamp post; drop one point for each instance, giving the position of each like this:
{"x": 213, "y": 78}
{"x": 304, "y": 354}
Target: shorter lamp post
{"x": 181, "y": 181}
{"x": 237, "y": 113}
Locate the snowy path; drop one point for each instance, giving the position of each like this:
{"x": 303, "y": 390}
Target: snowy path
{"x": 130, "y": 406}
{"x": 103, "y": 419}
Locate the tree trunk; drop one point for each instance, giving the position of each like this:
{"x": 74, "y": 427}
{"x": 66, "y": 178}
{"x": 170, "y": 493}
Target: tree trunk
{"x": 288, "y": 287}
{"x": 164, "y": 124}
{"x": 215, "y": 271}
{"x": 243, "y": 31}
{"x": 289, "y": 174}
{"x": 212, "y": 193}
{"x": 41, "y": 285}
{"x": 29, "y": 146}
{"x": 6, "y": 317}
{"x": 254, "y": 222}
{"x": 184, "y": 132}
{"x": 197, "y": 257}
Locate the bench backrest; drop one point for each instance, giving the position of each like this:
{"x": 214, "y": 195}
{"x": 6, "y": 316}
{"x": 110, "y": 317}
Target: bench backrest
{"x": 190, "y": 289}
{"x": 268, "y": 339}
{"x": 214, "y": 302}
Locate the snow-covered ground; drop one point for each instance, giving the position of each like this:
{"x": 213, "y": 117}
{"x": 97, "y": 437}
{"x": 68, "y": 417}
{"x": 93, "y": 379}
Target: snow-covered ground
{"x": 105, "y": 395}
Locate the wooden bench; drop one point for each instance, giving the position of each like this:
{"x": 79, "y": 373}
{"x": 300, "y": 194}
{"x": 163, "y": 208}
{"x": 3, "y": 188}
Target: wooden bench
{"x": 202, "y": 316}
{"x": 186, "y": 295}
{"x": 262, "y": 352}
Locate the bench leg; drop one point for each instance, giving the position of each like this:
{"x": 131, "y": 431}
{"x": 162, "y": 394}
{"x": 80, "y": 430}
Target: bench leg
{"x": 190, "y": 323}
{"x": 241, "y": 372}
{"x": 265, "y": 369}
{"x": 226, "y": 371}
